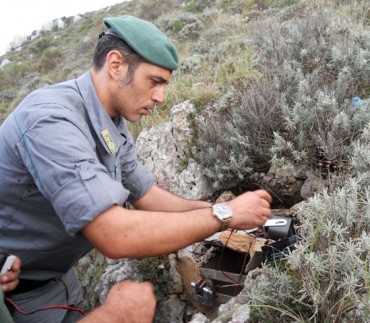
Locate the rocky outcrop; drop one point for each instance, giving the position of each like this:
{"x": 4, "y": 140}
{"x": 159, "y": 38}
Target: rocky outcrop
{"x": 167, "y": 150}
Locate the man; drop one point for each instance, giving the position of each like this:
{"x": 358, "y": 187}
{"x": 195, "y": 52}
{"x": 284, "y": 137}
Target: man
{"x": 121, "y": 301}
{"x": 68, "y": 165}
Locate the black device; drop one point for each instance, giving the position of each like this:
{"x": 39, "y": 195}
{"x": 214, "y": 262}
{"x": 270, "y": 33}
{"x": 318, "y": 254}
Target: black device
{"x": 279, "y": 227}
{"x": 276, "y": 250}
{"x": 282, "y": 231}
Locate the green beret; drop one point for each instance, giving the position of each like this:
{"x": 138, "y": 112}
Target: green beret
{"x": 145, "y": 39}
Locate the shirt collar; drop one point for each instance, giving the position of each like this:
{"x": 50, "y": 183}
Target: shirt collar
{"x": 111, "y": 133}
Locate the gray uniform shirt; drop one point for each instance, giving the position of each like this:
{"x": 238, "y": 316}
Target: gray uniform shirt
{"x": 63, "y": 161}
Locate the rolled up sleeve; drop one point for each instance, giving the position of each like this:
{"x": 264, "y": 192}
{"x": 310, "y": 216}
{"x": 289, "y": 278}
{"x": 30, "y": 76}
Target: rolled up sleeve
{"x": 92, "y": 192}
{"x": 139, "y": 181}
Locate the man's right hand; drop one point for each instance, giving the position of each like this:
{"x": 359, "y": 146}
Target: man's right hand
{"x": 128, "y": 302}
{"x": 250, "y": 210}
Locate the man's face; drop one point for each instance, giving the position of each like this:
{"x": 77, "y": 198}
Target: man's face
{"x": 146, "y": 89}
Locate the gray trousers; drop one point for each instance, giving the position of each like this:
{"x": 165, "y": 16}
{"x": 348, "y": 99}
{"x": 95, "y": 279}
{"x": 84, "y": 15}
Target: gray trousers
{"x": 65, "y": 290}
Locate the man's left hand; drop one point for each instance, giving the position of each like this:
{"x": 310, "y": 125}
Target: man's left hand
{"x": 9, "y": 280}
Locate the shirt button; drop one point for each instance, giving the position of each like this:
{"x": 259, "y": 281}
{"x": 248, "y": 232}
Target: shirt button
{"x": 84, "y": 167}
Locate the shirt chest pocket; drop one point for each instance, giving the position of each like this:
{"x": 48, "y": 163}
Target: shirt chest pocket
{"x": 121, "y": 162}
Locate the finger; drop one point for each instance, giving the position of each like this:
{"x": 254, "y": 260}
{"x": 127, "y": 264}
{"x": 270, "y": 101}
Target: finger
{"x": 264, "y": 195}
{"x": 264, "y": 203}
{"x": 16, "y": 267}
{"x": 8, "y": 277}
{"x": 10, "y": 286}
{"x": 263, "y": 213}
{"x": 13, "y": 273}
{"x": 267, "y": 212}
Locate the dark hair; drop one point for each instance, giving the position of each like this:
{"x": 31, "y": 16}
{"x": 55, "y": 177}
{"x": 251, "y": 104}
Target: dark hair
{"x": 109, "y": 42}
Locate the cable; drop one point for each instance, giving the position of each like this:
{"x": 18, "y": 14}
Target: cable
{"x": 57, "y": 306}
{"x": 247, "y": 255}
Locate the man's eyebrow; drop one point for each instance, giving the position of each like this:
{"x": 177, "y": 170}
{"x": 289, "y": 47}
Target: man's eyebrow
{"x": 160, "y": 79}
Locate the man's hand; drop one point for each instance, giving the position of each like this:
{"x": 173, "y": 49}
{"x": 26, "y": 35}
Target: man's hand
{"x": 124, "y": 233}
{"x": 250, "y": 210}
{"x": 127, "y": 301}
{"x": 9, "y": 280}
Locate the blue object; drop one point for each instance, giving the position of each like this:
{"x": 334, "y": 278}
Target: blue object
{"x": 356, "y": 101}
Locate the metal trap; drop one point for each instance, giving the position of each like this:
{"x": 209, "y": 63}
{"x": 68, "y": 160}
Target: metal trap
{"x": 224, "y": 274}
{"x": 223, "y": 278}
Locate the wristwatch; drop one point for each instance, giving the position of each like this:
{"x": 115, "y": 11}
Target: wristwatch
{"x": 224, "y": 213}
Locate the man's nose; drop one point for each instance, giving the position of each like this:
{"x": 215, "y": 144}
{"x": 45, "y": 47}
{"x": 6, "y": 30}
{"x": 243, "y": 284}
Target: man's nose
{"x": 159, "y": 94}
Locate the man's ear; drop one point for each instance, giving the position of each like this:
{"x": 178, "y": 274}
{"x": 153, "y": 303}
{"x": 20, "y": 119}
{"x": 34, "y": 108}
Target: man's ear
{"x": 116, "y": 64}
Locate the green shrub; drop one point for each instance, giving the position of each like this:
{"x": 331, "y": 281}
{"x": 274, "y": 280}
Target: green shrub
{"x": 201, "y": 5}
{"x": 327, "y": 277}
{"x": 190, "y": 31}
{"x": 360, "y": 160}
{"x": 11, "y": 78}
{"x": 40, "y": 44}
{"x": 157, "y": 271}
{"x": 49, "y": 59}
{"x": 191, "y": 6}
{"x": 89, "y": 270}
{"x": 16, "y": 70}
{"x": 299, "y": 110}
{"x": 176, "y": 25}
{"x": 151, "y": 10}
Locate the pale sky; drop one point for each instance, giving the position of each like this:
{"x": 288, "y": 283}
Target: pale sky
{"x": 22, "y": 17}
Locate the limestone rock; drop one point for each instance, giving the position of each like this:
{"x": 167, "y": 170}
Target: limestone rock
{"x": 199, "y": 318}
{"x": 116, "y": 271}
{"x": 166, "y": 151}
{"x": 172, "y": 310}
{"x": 312, "y": 185}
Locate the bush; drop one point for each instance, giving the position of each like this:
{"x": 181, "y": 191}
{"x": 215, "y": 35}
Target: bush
{"x": 89, "y": 270}
{"x": 40, "y": 44}
{"x": 151, "y": 10}
{"x": 49, "y": 59}
{"x": 176, "y": 25}
{"x": 300, "y": 110}
{"x": 11, "y": 78}
{"x": 157, "y": 271}
{"x": 327, "y": 277}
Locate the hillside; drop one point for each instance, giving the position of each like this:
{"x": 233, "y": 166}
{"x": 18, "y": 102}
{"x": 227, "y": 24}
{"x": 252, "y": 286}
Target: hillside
{"x": 278, "y": 86}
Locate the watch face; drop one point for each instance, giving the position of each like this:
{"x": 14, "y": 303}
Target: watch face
{"x": 222, "y": 211}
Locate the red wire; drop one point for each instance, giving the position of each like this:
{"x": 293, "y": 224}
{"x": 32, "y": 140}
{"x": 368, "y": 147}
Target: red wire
{"x": 237, "y": 282}
{"x": 45, "y": 308}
